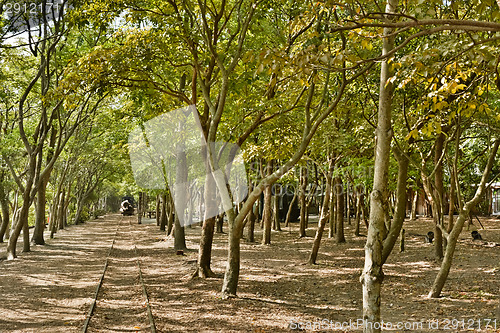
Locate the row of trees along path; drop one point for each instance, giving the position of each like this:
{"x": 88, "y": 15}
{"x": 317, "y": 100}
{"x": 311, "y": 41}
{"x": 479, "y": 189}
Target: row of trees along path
{"x": 52, "y": 288}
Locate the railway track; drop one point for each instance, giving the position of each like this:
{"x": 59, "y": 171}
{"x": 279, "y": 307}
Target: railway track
{"x": 121, "y": 301}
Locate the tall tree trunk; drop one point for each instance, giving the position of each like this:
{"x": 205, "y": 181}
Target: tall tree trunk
{"x": 276, "y": 213}
{"x": 303, "y": 205}
{"x": 158, "y": 209}
{"x": 180, "y": 198}
{"x": 140, "y": 208}
{"x": 203, "y": 269}
{"x": 331, "y": 219}
{"x": 267, "y": 216}
{"x": 79, "y": 208}
{"x": 340, "y": 195}
{"x": 251, "y": 226}
{"x": 53, "y": 216}
{"x": 289, "y": 211}
{"x": 171, "y": 214}
{"x": 21, "y": 221}
{"x": 348, "y": 203}
{"x": 323, "y": 217}
{"x": 60, "y": 210}
{"x": 437, "y": 208}
{"x": 4, "y": 203}
{"x": 163, "y": 211}
{"x": 400, "y": 209}
{"x": 358, "y": 213}
{"x": 373, "y": 275}
{"x": 219, "y": 223}
{"x": 451, "y": 209}
{"x": 26, "y": 237}
{"x": 40, "y": 213}
{"x": 444, "y": 270}
{"x": 231, "y": 276}
{"x": 22, "y": 216}
{"x": 414, "y": 201}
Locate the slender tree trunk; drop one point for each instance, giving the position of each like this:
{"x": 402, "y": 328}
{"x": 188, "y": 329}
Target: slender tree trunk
{"x": 158, "y": 211}
{"x": 21, "y": 221}
{"x": 323, "y": 217}
{"x": 163, "y": 211}
{"x": 22, "y": 217}
{"x": 219, "y": 223}
{"x": 451, "y": 208}
{"x": 251, "y": 226}
{"x": 203, "y": 269}
{"x": 267, "y": 216}
{"x": 60, "y": 210}
{"x": 289, "y": 211}
{"x": 140, "y": 208}
{"x": 442, "y": 276}
{"x": 413, "y": 214}
{"x": 303, "y": 205}
{"x": 358, "y": 213}
{"x": 26, "y": 237}
{"x": 230, "y": 284}
{"x": 340, "y": 195}
{"x": 40, "y": 216}
{"x": 276, "y": 213}
{"x": 79, "y": 208}
{"x": 331, "y": 219}
{"x": 400, "y": 209}
{"x": 171, "y": 214}
{"x": 5, "y": 212}
{"x": 372, "y": 275}
{"x": 437, "y": 208}
{"x": 364, "y": 211}
{"x": 66, "y": 205}
{"x": 180, "y": 199}
{"x": 348, "y": 202}
{"x": 53, "y": 217}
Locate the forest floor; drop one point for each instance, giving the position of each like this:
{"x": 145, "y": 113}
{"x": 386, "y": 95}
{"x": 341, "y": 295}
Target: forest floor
{"x": 51, "y": 288}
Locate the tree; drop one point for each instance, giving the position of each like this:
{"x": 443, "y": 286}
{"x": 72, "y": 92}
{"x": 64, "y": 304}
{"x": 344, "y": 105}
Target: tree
{"x": 372, "y": 275}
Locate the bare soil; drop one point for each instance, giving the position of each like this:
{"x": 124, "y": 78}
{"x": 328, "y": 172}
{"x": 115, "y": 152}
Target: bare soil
{"x": 51, "y": 288}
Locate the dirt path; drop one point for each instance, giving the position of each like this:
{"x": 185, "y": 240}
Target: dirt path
{"x": 121, "y": 302}
{"x": 51, "y": 289}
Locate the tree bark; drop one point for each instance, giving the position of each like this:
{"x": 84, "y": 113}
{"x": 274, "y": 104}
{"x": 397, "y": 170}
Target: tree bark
{"x": 60, "y": 210}
{"x": 163, "y": 211}
{"x": 140, "y": 208}
{"x": 444, "y": 270}
{"x": 276, "y": 213}
{"x": 5, "y": 211}
{"x": 289, "y": 211}
{"x": 40, "y": 213}
{"x": 267, "y": 215}
{"x": 303, "y": 206}
{"x": 451, "y": 209}
{"x": 400, "y": 211}
{"x": 251, "y": 226}
{"x": 22, "y": 216}
{"x": 437, "y": 208}
{"x": 323, "y": 217}
{"x": 340, "y": 196}
{"x": 231, "y": 276}
{"x": 203, "y": 269}
{"x": 171, "y": 214}
{"x": 358, "y": 213}
{"x": 413, "y": 213}
{"x": 331, "y": 219}
{"x": 180, "y": 198}
{"x": 158, "y": 211}
{"x": 373, "y": 275}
